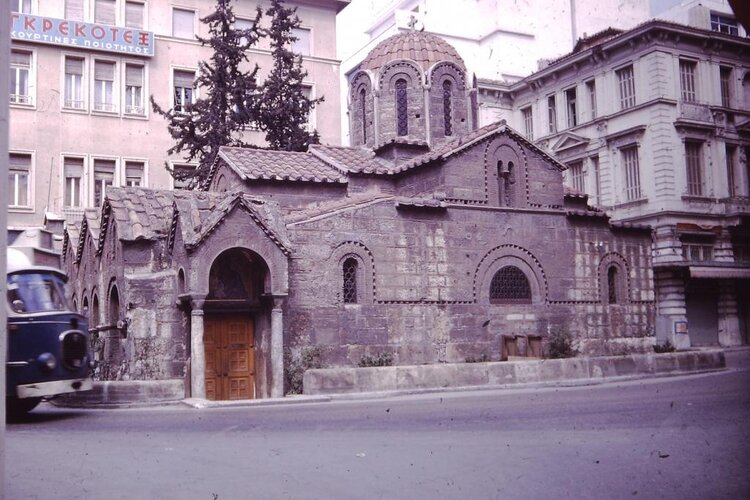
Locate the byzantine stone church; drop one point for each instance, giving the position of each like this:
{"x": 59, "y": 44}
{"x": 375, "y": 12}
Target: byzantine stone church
{"x": 428, "y": 241}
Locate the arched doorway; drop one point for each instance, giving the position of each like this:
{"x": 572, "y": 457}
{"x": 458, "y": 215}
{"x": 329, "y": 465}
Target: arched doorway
{"x": 236, "y": 284}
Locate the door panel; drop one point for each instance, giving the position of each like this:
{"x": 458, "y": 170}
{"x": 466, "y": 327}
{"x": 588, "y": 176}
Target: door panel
{"x": 230, "y": 357}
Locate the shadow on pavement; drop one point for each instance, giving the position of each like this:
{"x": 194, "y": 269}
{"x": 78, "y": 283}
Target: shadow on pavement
{"x": 41, "y": 417}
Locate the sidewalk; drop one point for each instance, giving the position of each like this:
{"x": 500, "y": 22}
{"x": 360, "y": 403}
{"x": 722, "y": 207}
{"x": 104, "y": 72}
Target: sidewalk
{"x": 325, "y": 385}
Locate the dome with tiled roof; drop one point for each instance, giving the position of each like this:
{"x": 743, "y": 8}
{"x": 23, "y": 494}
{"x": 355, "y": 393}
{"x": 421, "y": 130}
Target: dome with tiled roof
{"x": 423, "y": 48}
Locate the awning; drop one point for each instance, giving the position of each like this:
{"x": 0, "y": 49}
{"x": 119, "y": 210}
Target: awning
{"x": 719, "y": 272}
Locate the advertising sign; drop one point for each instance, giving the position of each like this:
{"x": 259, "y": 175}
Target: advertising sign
{"x": 81, "y": 35}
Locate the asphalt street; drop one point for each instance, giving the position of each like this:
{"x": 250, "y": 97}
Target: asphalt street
{"x": 684, "y": 437}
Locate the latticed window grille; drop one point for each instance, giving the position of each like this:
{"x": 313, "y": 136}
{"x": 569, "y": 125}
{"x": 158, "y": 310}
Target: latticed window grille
{"x": 447, "y": 107}
{"x": 627, "y": 87}
{"x": 402, "y": 106}
{"x": 363, "y": 110}
{"x": 687, "y": 80}
{"x": 632, "y": 173}
{"x": 612, "y": 278}
{"x": 510, "y": 285}
{"x": 349, "y": 290}
{"x": 694, "y": 165}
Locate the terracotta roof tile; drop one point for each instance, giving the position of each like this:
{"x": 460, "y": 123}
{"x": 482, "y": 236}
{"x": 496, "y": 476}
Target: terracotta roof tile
{"x": 280, "y": 165}
{"x": 423, "y": 48}
{"x": 355, "y": 160}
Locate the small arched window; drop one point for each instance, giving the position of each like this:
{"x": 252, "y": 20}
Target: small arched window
{"x": 612, "y": 284}
{"x": 402, "y": 108}
{"x": 85, "y": 307}
{"x": 349, "y": 272}
{"x": 510, "y": 285}
{"x": 363, "y": 110}
{"x": 448, "y": 107}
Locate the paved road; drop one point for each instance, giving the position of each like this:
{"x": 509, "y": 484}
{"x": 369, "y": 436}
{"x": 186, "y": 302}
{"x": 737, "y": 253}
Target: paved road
{"x": 685, "y": 437}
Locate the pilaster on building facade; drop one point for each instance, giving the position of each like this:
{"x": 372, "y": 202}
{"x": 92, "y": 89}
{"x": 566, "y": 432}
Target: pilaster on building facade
{"x": 82, "y": 74}
{"x": 654, "y": 126}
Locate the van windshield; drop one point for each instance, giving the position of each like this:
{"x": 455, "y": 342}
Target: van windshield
{"x": 33, "y": 293}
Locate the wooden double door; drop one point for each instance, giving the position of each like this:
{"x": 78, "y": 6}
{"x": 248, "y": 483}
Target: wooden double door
{"x": 229, "y": 341}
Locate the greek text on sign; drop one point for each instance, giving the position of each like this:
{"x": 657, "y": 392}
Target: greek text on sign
{"x": 82, "y": 35}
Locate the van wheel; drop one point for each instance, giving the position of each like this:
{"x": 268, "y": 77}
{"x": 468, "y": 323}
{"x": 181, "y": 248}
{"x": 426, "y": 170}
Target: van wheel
{"x": 16, "y": 408}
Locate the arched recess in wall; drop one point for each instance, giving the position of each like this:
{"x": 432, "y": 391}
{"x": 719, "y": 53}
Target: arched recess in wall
{"x": 504, "y": 263}
{"x": 506, "y": 171}
{"x": 113, "y": 305}
{"x": 400, "y": 85}
{"x": 74, "y": 300}
{"x": 448, "y": 110}
{"x": 361, "y": 112}
{"x": 614, "y": 279}
{"x": 85, "y": 305}
{"x": 237, "y": 276}
{"x": 181, "y": 287}
{"x": 351, "y": 274}
{"x": 94, "y": 319}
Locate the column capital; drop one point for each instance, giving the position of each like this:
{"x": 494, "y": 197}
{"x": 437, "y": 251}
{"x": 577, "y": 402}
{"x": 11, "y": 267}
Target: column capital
{"x": 197, "y": 301}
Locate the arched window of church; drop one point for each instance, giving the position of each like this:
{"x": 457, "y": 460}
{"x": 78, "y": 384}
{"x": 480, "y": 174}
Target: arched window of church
{"x": 363, "y": 110}
{"x": 349, "y": 271}
{"x": 402, "y": 116}
{"x": 510, "y": 285}
{"x": 447, "y": 107}
{"x": 612, "y": 284}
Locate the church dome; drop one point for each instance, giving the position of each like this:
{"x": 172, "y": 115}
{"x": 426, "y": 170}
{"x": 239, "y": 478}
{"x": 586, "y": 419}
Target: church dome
{"x": 423, "y": 48}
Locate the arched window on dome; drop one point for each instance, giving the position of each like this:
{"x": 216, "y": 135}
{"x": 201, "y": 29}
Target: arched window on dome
{"x": 448, "y": 107}
{"x": 402, "y": 116}
{"x": 510, "y": 285}
{"x": 363, "y": 110}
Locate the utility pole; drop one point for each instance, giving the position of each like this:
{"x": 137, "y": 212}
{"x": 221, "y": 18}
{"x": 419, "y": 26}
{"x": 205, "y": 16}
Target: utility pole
{"x": 4, "y": 129}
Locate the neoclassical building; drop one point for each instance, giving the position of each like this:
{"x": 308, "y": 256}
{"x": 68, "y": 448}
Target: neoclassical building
{"x": 430, "y": 240}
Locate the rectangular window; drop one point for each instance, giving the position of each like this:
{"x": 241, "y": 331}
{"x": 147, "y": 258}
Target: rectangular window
{"x": 183, "y": 89}
{"x": 183, "y": 23}
{"x": 104, "y": 177}
{"x": 104, "y": 82}
{"x": 687, "y": 80}
{"x": 552, "y": 114}
{"x": 694, "y": 166}
{"x": 243, "y": 24}
{"x": 570, "y": 104}
{"x": 105, "y": 11}
{"x": 134, "y": 173}
{"x": 21, "y": 6}
{"x": 303, "y": 43}
{"x": 528, "y": 123}
{"x": 20, "y": 77}
{"x": 724, "y": 24}
{"x": 591, "y": 91}
{"x": 577, "y": 176}
{"x": 632, "y": 173}
{"x": 73, "y": 97}
{"x": 134, "y": 89}
{"x": 626, "y": 80}
{"x": 74, "y": 10}
{"x": 19, "y": 175}
{"x": 307, "y": 91}
{"x": 731, "y": 153}
{"x": 73, "y": 178}
{"x": 725, "y": 80}
{"x": 697, "y": 248}
{"x": 134, "y": 15}
{"x": 178, "y": 177}
{"x": 597, "y": 180}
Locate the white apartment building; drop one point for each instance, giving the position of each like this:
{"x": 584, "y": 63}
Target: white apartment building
{"x": 654, "y": 124}
{"x": 82, "y": 73}
{"x": 500, "y": 40}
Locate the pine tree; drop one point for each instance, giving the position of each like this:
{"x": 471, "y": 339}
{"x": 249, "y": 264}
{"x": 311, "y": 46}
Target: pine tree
{"x": 285, "y": 109}
{"x": 231, "y": 96}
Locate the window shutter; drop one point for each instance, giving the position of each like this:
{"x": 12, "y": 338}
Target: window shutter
{"x": 19, "y": 162}
{"x": 18, "y": 58}
{"x": 104, "y": 169}
{"x": 104, "y": 11}
{"x": 182, "y": 23}
{"x": 302, "y": 44}
{"x": 133, "y": 169}
{"x": 104, "y": 70}
{"x": 134, "y": 75}
{"x": 73, "y": 167}
{"x": 74, "y": 10}
{"x": 184, "y": 79}
{"x": 133, "y": 15}
{"x": 73, "y": 66}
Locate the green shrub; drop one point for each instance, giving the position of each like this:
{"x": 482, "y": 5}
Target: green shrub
{"x": 296, "y": 364}
{"x": 561, "y": 344}
{"x": 665, "y": 347}
{"x": 382, "y": 359}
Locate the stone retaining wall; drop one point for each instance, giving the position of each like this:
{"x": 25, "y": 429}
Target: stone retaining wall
{"x": 429, "y": 377}
{"x": 125, "y": 393}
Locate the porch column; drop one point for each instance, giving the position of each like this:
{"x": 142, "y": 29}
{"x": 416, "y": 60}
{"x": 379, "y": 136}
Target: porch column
{"x": 197, "y": 350}
{"x": 277, "y": 347}
{"x": 671, "y": 316}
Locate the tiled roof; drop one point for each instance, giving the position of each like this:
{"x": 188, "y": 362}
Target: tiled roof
{"x": 141, "y": 214}
{"x": 336, "y": 206}
{"x": 279, "y": 165}
{"x": 425, "y": 49}
{"x": 354, "y": 159}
